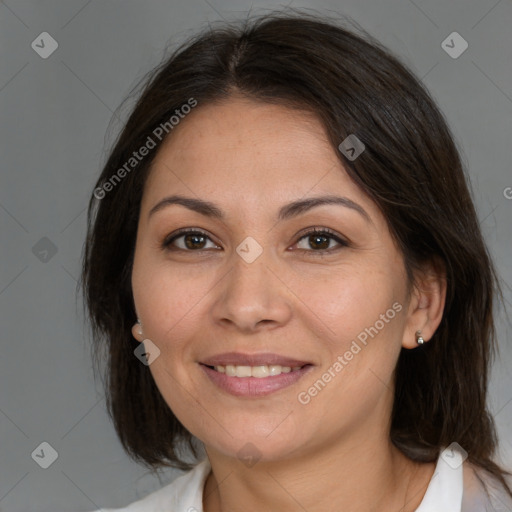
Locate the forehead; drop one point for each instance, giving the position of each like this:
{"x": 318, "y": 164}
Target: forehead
{"x": 253, "y": 152}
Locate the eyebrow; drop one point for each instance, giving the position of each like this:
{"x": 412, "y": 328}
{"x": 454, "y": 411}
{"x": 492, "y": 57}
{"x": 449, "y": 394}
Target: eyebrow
{"x": 286, "y": 212}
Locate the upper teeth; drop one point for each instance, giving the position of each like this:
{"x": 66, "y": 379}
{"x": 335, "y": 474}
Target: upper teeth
{"x": 255, "y": 371}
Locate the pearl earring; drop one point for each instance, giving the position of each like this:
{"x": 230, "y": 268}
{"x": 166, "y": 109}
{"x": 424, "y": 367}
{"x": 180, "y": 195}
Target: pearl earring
{"x": 419, "y": 338}
{"x": 140, "y": 326}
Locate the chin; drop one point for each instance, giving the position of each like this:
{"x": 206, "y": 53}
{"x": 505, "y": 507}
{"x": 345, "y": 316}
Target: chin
{"x": 255, "y": 445}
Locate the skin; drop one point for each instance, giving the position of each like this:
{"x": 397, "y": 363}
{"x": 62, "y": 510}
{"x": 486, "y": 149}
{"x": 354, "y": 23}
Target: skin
{"x": 333, "y": 453}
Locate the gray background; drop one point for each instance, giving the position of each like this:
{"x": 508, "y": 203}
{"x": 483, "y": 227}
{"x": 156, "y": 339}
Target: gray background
{"x": 54, "y": 116}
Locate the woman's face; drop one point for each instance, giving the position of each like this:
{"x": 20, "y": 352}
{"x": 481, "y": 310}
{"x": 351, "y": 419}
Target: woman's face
{"x": 257, "y": 282}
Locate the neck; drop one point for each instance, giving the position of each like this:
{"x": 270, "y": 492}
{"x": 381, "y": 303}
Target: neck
{"x": 353, "y": 476}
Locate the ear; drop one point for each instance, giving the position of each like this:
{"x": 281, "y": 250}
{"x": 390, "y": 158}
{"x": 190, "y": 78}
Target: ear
{"x": 137, "y": 332}
{"x": 426, "y": 305}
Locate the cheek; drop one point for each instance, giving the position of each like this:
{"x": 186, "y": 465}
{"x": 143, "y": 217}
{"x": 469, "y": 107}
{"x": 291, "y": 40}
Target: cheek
{"x": 350, "y": 302}
{"x": 168, "y": 303}
{"x": 362, "y": 316}
{"x": 168, "y": 298}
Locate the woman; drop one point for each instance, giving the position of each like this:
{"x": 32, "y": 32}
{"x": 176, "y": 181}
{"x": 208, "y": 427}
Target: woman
{"x": 284, "y": 263}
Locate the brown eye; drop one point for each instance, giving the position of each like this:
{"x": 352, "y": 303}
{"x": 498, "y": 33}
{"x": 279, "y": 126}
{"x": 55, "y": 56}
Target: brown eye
{"x": 187, "y": 240}
{"x": 319, "y": 240}
{"x": 194, "y": 241}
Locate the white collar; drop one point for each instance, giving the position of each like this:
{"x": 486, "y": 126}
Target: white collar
{"x": 444, "y": 491}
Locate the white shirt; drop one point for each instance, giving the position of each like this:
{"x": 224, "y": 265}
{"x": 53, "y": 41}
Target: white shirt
{"x": 452, "y": 488}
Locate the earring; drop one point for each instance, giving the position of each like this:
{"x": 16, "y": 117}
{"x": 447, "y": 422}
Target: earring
{"x": 419, "y": 338}
{"x": 140, "y": 326}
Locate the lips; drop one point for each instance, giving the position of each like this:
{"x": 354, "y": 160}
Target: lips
{"x": 241, "y": 359}
{"x": 253, "y": 387}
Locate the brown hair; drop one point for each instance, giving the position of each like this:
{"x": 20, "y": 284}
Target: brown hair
{"x": 410, "y": 168}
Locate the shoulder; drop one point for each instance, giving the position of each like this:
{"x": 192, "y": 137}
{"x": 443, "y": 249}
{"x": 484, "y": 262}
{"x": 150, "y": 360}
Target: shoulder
{"x": 483, "y": 491}
{"x": 184, "y": 493}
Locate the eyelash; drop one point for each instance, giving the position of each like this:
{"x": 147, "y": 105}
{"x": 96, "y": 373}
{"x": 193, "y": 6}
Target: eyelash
{"x": 315, "y": 231}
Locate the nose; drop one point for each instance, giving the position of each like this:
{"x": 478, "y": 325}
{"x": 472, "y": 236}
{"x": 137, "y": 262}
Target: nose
{"x": 251, "y": 296}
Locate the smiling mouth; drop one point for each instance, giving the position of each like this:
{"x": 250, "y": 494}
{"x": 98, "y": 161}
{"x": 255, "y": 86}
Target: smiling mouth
{"x": 260, "y": 371}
